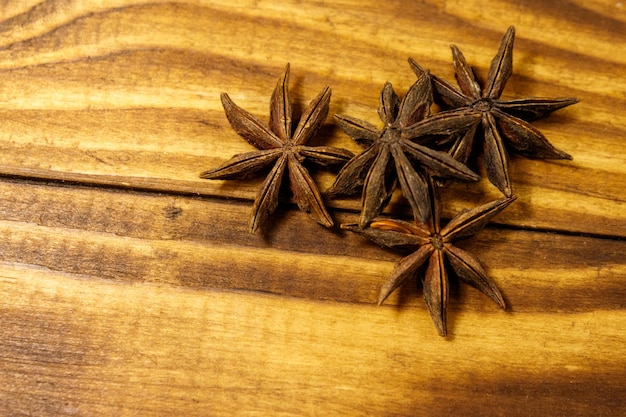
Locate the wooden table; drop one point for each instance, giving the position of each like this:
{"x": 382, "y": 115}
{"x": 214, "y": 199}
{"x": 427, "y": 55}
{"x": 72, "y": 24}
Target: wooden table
{"x": 130, "y": 286}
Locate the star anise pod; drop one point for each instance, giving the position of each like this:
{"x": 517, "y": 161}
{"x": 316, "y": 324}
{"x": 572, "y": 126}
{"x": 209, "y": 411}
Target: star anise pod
{"x": 392, "y": 155}
{"x": 285, "y": 149}
{"x": 504, "y": 123}
{"x": 435, "y": 244}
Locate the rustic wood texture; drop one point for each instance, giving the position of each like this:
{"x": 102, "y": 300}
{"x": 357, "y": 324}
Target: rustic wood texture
{"x": 130, "y": 286}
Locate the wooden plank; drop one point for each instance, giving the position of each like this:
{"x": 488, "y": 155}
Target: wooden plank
{"x": 153, "y": 100}
{"x": 204, "y": 244}
{"x": 75, "y": 346}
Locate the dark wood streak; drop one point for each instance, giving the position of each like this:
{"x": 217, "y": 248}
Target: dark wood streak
{"x": 574, "y": 13}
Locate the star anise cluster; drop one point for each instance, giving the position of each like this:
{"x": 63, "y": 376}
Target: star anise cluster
{"x": 415, "y": 151}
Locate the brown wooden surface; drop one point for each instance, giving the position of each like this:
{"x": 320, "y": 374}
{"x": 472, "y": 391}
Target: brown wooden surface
{"x": 132, "y": 287}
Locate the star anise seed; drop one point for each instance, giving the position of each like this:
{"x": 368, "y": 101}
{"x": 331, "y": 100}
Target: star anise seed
{"x": 283, "y": 148}
{"x": 435, "y": 244}
{"x": 503, "y": 122}
{"x": 393, "y": 157}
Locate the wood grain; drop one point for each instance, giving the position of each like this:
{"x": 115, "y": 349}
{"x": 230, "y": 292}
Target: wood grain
{"x": 130, "y": 286}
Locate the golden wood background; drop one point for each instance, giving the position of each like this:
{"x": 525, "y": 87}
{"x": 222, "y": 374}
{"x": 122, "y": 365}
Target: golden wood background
{"x": 129, "y": 286}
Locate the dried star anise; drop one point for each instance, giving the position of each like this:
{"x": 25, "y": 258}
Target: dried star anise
{"x": 285, "y": 149}
{"x": 434, "y": 244}
{"x": 392, "y": 155}
{"x": 502, "y": 121}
